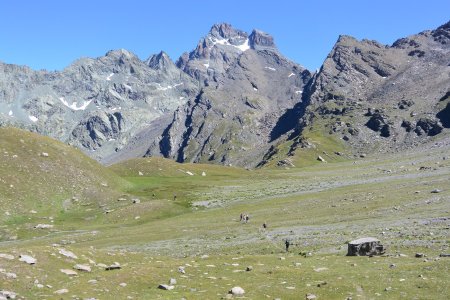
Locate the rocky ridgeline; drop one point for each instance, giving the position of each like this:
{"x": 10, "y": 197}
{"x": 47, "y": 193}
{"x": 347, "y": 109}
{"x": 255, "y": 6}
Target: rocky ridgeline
{"x": 94, "y": 104}
{"x": 234, "y": 98}
{"x": 396, "y": 95}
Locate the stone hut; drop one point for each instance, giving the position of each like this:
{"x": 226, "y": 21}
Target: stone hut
{"x": 365, "y": 247}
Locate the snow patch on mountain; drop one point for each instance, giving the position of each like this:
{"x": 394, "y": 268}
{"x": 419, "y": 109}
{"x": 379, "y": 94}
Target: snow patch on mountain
{"x": 169, "y": 87}
{"x": 33, "y": 119}
{"x": 243, "y": 47}
{"x": 74, "y": 105}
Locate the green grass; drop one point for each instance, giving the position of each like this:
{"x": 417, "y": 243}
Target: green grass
{"x": 319, "y": 206}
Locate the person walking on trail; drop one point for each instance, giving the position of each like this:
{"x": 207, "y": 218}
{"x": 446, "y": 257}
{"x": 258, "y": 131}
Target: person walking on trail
{"x": 247, "y": 217}
{"x": 241, "y": 217}
{"x": 287, "y": 243}
{"x": 264, "y": 225}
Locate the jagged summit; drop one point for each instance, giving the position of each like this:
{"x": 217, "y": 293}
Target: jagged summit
{"x": 226, "y": 31}
{"x": 220, "y": 49}
{"x": 159, "y": 61}
{"x": 260, "y": 40}
{"x": 120, "y": 53}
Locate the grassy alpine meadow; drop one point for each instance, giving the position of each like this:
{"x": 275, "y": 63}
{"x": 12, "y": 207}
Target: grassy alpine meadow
{"x": 158, "y": 222}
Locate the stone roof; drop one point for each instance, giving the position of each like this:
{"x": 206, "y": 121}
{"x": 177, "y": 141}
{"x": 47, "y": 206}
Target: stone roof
{"x": 364, "y": 240}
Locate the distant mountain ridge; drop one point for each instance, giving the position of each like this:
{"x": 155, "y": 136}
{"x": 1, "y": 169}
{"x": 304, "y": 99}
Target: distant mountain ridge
{"x": 235, "y": 99}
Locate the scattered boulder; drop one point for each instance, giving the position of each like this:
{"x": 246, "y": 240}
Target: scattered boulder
{"x": 140, "y": 173}
{"x": 407, "y": 125}
{"x": 43, "y": 226}
{"x": 203, "y": 173}
{"x": 44, "y": 154}
{"x": 7, "y": 295}
{"x": 285, "y": 163}
{"x": 379, "y": 123}
{"x": 136, "y": 201}
{"x": 419, "y": 255}
{"x": 61, "y": 291}
{"x": 27, "y": 259}
{"x": 249, "y": 268}
{"x": 69, "y": 272}
{"x": 436, "y": 191}
{"x": 237, "y": 291}
{"x": 428, "y": 126}
{"x": 181, "y": 270}
{"x": 310, "y": 297}
{"x": 67, "y": 253}
{"x": 320, "y": 158}
{"x": 10, "y": 275}
{"x": 172, "y": 281}
{"x": 166, "y": 287}
{"x": 405, "y": 104}
{"x": 321, "y": 269}
{"x": 365, "y": 246}
{"x": 115, "y": 266}
{"x": 6, "y": 256}
{"x": 84, "y": 268}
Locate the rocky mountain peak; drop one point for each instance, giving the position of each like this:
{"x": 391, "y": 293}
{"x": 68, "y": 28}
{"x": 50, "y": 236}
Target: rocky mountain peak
{"x": 260, "y": 40}
{"x": 215, "y": 53}
{"x": 160, "y": 61}
{"x": 225, "y": 31}
{"x": 120, "y": 53}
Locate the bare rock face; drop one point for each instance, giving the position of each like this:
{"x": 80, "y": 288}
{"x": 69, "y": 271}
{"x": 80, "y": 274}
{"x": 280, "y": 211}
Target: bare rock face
{"x": 397, "y": 92}
{"x": 248, "y": 96}
{"x": 94, "y": 104}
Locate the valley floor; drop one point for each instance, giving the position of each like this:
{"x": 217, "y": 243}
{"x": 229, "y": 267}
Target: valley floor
{"x": 186, "y": 228}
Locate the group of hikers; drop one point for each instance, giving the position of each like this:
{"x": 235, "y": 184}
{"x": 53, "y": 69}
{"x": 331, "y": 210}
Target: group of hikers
{"x": 245, "y": 217}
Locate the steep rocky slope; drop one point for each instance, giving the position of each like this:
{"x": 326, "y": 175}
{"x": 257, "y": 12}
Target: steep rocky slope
{"x": 94, "y": 104}
{"x": 382, "y": 98}
{"x": 247, "y": 88}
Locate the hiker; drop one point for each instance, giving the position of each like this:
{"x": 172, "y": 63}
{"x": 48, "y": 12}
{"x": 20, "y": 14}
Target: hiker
{"x": 174, "y": 197}
{"x": 247, "y": 217}
{"x": 264, "y": 225}
{"x": 241, "y": 217}
{"x": 287, "y": 243}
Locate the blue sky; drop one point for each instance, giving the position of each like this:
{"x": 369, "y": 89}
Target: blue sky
{"x": 50, "y": 34}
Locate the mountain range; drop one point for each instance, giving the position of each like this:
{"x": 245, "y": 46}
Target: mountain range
{"x": 236, "y": 100}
